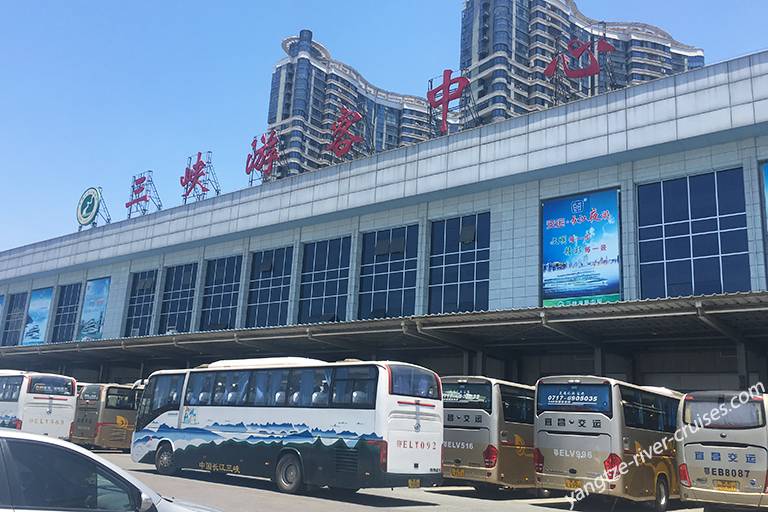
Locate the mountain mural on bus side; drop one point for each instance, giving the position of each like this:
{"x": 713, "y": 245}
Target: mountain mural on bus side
{"x": 7, "y": 421}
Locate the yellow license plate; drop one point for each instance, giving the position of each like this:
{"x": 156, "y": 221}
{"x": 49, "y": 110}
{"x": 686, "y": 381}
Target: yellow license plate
{"x": 726, "y": 485}
{"x": 457, "y": 472}
{"x": 414, "y": 483}
{"x": 573, "y": 484}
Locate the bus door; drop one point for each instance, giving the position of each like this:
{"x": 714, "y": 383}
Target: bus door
{"x": 516, "y": 466}
{"x": 414, "y": 424}
{"x": 468, "y": 407}
{"x": 573, "y": 439}
{"x": 10, "y": 389}
{"x": 49, "y": 408}
{"x": 87, "y": 414}
{"x": 728, "y": 457}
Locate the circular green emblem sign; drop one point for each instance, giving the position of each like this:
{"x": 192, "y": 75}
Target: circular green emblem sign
{"x": 88, "y": 206}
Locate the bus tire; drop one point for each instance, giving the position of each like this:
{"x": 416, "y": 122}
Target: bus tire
{"x": 289, "y": 476}
{"x": 165, "y": 462}
{"x": 661, "y": 501}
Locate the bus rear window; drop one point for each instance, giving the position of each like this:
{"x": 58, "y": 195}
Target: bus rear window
{"x": 50, "y": 385}
{"x": 574, "y": 398}
{"x": 467, "y": 395}
{"x": 9, "y": 388}
{"x": 748, "y": 415}
{"x": 121, "y": 398}
{"x": 415, "y": 382}
{"x": 91, "y": 393}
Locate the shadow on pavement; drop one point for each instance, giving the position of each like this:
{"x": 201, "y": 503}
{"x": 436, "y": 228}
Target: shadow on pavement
{"x": 360, "y": 498}
{"x": 601, "y": 505}
{"x": 468, "y": 492}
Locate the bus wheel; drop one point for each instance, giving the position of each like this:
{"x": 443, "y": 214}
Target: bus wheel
{"x": 164, "y": 460}
{"x": 662, "y": 496}
{"x": 288, "y": 474}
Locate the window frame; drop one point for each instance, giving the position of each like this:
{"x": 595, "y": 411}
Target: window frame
{"x": 15, "y": 483}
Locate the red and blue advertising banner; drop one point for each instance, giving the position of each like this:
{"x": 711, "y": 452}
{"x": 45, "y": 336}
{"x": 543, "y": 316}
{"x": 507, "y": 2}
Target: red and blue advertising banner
{"x": 581, "y": 249}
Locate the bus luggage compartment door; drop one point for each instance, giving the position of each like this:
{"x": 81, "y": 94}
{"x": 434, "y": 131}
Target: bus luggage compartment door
{"x": 415, "y": 440}
{"x": 48, "y": 416}
{"x": 574, "y": 456}
{"x": 732, "y": 470}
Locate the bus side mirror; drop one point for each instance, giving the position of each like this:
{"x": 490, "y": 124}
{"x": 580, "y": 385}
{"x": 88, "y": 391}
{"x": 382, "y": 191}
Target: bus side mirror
{"x": 146, "y": 504}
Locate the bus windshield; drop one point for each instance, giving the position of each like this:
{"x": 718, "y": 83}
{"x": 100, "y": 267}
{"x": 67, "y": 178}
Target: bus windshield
{"x": 9, "y": 388}
{"x": 91, "y": 393}
{"x": 413, "y": 381}
{"x": 51, "y": 385}
{"x": 574, "y": 398}
{"x": 467, "y": 395}
{"x": 748, "y": 415}
{"x": 121, "y": 398}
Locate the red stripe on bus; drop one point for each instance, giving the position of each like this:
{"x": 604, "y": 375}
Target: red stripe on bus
{"x": 49, "y": 398}
{"x": 403, "y": 402}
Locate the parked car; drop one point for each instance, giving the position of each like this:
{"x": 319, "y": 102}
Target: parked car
{"x": 46, "y": 474}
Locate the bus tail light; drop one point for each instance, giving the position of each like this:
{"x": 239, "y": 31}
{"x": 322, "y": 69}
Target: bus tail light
{"x": 382, "y": 453}
{"x": 685, "y": 477}
{"x": 611, "y": 465}
{"x": 538, "y": 460}
{"x": 490, "y": 456}
{"x": 17, "y": 424}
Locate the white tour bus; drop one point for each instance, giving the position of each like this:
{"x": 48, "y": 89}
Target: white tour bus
{"x": 39, "y": 403}
{"x": 298, "y": 421}
{"x": 723, "y": 463}
{"x": 587, "y": 426}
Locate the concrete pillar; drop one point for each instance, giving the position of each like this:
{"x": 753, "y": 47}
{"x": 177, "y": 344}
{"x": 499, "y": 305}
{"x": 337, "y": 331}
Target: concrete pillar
{"x": 741, "y": 365}
{"x": 479, "y": 367}
{"x": 599, "y": 361}
{"x": 465, "y": 362}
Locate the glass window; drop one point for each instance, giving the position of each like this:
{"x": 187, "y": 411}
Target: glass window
{"x": 413, "y": 381}
{"x": 121, "y": 398}
{"x": 518, "y": 404}
{"x": 51, "y": 385}
{"x": 65, "y": 318}
{"x": 715, "y": 217}
{"x": 91, "y": 393}
{"x": 748, "y": 416}
{"x": 199, "y": 388}
{"x": 163, "y": 393}
{"x": 354, "y": 387}
{"x": 388, "y": 273}
{"x": 10, "y": 387}
{"x": 468, "y": 395}
{"x": 575, "y": 398}
{"x": 459, "y": 264}
{"x": 648, "y": 411}
{"x": 52, "y": 477}
{"x": 324, "y": 281}
{"x": 221, "y": 293}
{"x": 309, "y": 387}
{"x": 269, "y": 288}
{"x": 230, "y": 388}
{"x": 178, "y": 297}
{"x": 14, "y": 319}
{"x": 140, "y": 302}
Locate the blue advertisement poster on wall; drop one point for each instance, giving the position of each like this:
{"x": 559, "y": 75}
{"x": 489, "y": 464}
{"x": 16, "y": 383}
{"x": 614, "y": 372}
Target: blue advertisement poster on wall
{"x": 581, "y": 249}
{"x": 2, "y": 305}
{"x": 37, "y": 316}
{"x": 94, "y": 309}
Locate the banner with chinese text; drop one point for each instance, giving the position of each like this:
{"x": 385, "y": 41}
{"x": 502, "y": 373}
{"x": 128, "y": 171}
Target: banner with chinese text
{"x": 581, "y": 249}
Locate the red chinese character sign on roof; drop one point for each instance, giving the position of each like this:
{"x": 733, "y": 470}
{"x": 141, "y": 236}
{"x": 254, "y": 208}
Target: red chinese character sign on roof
{"x": 443, "y": 94}
{"x": 143, "y": 192}
{"x": 577, "y": 49}
{"x": 262, "y": 158}
{"x": 342, "y": 137}
{"x": 193, "y": 178}
{"x": 138, "y": 192}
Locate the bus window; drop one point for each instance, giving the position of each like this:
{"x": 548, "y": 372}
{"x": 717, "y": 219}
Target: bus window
{"x": 413, "y": 381}
{"x": 91, "y": 393}
{"x": 468, "y": 395}
{"x": 277, "y": 386}
{"x": 309, "y": 387}
{"x": 163, "y": 393}
{"x": 354, "y": 387}
{"x": 120, "y": 398}
{"x": 575, "y": 397}
{"x": 648, "y": 411}
{"x": 199, "y": 388}
{"x": 517, "y": 404}
{"x": 51, "y": 385}
{"x": 10, "y": 388}
{"x": 749, "y": 415}
{"x": 230, "y": 388}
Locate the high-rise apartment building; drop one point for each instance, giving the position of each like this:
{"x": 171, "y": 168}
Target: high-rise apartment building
{"x": 507, "y": 44}
{"x": 309, "y": 88}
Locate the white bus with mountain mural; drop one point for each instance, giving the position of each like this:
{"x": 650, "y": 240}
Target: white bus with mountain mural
{"x": 299, "y": 421}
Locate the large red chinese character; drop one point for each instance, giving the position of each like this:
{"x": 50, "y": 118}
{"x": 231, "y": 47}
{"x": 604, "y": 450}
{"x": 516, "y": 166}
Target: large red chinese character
{"x": 342, "y": 138}
{"x": 192, "y": 177}
{"x": 576, "y": 49}
{"x": 263, "y": 158}
{"x": 442, "y": 95}
{"x": 136, "y": 192}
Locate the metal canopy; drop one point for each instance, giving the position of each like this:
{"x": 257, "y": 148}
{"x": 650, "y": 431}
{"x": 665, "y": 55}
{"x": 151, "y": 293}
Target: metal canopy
{"x": 661, "y": 324}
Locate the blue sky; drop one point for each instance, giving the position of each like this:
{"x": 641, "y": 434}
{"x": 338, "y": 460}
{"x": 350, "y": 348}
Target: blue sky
{"x": 94, "y": 92}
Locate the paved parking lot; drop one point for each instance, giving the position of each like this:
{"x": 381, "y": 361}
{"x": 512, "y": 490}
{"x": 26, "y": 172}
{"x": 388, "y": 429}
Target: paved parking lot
{"x": 236, "y": 494}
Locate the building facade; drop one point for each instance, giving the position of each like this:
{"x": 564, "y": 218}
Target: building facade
{"x": 308, "y": 91}
{"x": 447, "y": 253}
{"x": 507, "y": 44}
